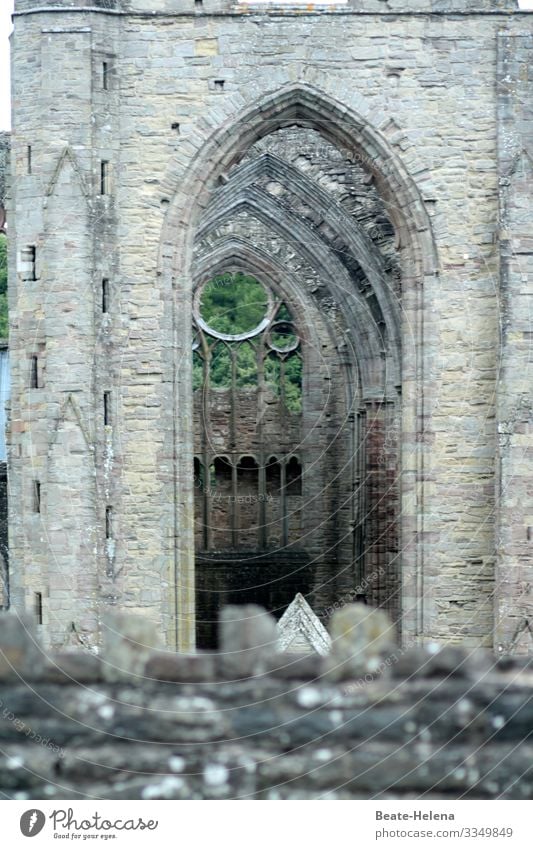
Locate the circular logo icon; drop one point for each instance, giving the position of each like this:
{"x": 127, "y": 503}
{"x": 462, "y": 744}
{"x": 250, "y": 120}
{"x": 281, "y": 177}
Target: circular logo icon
{"x": 32, "y": 822}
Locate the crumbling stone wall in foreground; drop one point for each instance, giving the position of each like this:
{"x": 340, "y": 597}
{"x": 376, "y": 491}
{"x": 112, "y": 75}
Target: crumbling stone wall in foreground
{"x": 246, "y": 723}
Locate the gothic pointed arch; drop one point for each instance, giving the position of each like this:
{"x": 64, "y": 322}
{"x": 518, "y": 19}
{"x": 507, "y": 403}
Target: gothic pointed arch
{"x": 350, "y": 236}
{"x": 70, "y": 409}
{"x": 299, "y": 103}
{"x": 368, "y": 340}
{"x": 68, "y": 159}
{"x": 243, "y": 191}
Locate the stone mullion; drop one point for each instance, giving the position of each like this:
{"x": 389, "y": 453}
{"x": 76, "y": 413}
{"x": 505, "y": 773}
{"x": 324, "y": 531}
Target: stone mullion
{"x": 359, "y": 535}
{"x": 513, "y": 613}
{"x": 206, "y": 458}
{"x": 262, "y": 455}
{"x": 234, "y": 512}
{"x": 376, "y": 500}
{"x": 107, "y": 377}
{"x": 283, "y": 499}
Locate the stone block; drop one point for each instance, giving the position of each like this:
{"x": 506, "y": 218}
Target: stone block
{"x": 128, "y": 641}
{"x": 361, "y": 636}
{"x": 73, "y": 666}
{"x": 434, "y": 661}
{"x": 248, "y": 638}
{"x": 182, "y": 668}
{"x": 305, "y": 667}
{"x": 21, "y": 655}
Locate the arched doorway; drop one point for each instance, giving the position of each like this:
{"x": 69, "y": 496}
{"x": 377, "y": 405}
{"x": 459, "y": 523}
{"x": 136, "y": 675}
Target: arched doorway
{"x": 294, "y": 198}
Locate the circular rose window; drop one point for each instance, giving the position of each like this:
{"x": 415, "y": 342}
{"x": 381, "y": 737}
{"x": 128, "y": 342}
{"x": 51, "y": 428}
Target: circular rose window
{"x": 233, "y": 307}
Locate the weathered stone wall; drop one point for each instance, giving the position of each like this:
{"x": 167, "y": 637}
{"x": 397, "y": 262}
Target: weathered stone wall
{"x": 4, "y": 154}
{"x": 4, "y": 552}
{"x": 4, "y": 557}
{"x": 514, "y": 609}
{"x": 410, "y": 88}
{"x": 137, "y": 723}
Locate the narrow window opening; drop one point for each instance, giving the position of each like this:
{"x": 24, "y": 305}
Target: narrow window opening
{"x": 223, "y": 473}
{"x": 38, "y": 607}
{"x": 247, "y": 508}
{"x": 108, "y": 522}
{"x": 247, "y": 374}
{"x": 220, "y": 367}
{"x": 293, "y": 476}
{"x": 273, "y": 478}
{"x": 197, "y": 371}
{"x": 105, "y": 295}
{"x": 105, "y": 76}
{"x": 36, "y": 496}
{"x": 34, "y": 372}
{"x": 176, "y": 127}
{"x": 104, "y": 177}
{"x": 107, "y": 408}
{"x": 28, "y": 159}
{"x": 28, "y": 258}
{"x": 219, "y": 85}
{"x": 198, "y": 475}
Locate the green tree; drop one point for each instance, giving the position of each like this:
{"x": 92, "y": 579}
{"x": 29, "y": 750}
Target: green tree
{"x": 237, "y": 303}
{"x": 233, "y": 303}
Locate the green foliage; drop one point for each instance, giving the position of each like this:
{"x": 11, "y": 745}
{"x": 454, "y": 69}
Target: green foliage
{"x": 293, "y": 383}
{"x": 220, "y": 371}
{"x": 197, "y": 371}
{"x": 246, "y": 366}
{"x": 4, "y": 324}
{"x": 283, "y": 314}
{"x": 283, "y": 337}
{"x": 237, "y": 303}
{"x": 233, "y": 303}
{"x": 273, "y": 373}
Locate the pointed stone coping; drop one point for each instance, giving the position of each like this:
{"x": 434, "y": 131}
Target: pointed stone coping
{"x": 300, "y": 629}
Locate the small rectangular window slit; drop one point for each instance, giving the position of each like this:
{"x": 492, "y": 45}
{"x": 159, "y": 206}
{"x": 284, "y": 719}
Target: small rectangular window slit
{"x": 28, "y": 261}
{"x": 105, "y": 76}
{"x": 105, "y": 295}
{"x": 108, "y": 522}
{"x": 104, "y": 177}
{"x": 107, "y": 408}
{"x": 34, "y": 372}
{"x": 219, "y": 85}
{"x": 38, "y": 607}
{"x": 36, "y": 496}
{"x": 28, "y": 159}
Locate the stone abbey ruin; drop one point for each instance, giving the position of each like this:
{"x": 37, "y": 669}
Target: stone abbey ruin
{"x": 270, "y": 295}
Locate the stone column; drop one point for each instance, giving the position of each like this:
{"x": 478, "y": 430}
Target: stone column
{"x": 514, "y": 532}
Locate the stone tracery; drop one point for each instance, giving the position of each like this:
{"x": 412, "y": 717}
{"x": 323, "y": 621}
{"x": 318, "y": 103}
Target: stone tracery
{"x": 300, "y": 205}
